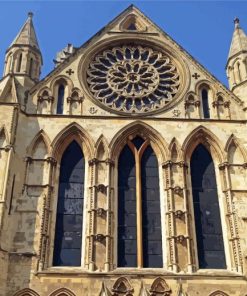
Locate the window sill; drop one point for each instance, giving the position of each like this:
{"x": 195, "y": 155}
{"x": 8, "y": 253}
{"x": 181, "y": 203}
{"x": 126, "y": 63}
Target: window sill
{"x": 79, "y": 271}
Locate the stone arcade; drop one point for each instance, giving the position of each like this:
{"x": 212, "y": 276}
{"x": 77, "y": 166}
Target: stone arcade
{"x": 124, "y": 170}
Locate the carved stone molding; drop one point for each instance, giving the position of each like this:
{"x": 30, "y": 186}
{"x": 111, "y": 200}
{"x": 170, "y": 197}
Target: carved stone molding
{"x": 160, "y": 287}
{"x": 122, "y": 287}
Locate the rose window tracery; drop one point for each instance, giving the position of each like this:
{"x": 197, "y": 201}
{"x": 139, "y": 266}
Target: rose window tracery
{"x": 133, "y": 79}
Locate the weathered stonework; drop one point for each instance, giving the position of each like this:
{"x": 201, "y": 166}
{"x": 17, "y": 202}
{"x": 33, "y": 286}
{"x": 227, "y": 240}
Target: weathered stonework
{"x": 33, "y": 138}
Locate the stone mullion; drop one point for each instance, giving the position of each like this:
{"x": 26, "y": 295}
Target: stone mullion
{"x": 231, "y": 217}
{"x": 109, "y": 213}
{"x": 45, "y": 219}
{"x": 92, "y": 213}
{"x": 171, "y": 217}
{"x": 187, "y": 218}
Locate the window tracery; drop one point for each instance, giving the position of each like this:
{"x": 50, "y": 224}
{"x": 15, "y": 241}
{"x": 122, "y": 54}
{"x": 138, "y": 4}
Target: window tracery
{"x": 133, "y": 79}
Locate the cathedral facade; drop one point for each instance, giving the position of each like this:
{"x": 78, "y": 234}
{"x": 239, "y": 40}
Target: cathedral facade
{"x": 124, "y": 170}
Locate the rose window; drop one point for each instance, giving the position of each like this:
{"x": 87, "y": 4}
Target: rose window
{"x": 133, "y": 79}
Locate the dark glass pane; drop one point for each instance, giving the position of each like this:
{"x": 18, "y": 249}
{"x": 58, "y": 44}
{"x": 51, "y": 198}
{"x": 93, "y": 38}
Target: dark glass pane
{"x": 206, "y": 209}
{"x": 138, "y": 141}
{"x": 205, "y": 105}
{"x": 151, "y": 219}
{"x": 68, "y": 240}
{"x": 60, "y": 99}
{"x": 126, "y": 209}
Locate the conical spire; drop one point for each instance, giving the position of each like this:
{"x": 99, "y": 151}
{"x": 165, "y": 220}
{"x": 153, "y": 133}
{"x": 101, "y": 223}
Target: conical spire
{"x": 239, "y": 40}
{"x": 27, "y": 35}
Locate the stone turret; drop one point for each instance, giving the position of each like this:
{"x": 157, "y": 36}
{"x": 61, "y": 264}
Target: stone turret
{"x": 236, "y": 67}
{"x": 23, "y": 58}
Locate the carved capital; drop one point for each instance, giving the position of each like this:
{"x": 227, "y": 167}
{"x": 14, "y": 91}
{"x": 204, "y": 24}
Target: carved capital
{"x": 8, "y": 147}
{"x": 180, "y": 238}
{"x": 223, "y": 165}
{"x": 166, "y": 164}
{"x": 28, "y": 159}
{"x": 51, "y": 160}
{"x": 101, "y": 188}
{"x": 93, "y": 161}
{"x": 179, "y": 214}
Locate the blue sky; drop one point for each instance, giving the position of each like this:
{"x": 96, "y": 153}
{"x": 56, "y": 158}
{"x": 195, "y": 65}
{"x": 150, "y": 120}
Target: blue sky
{"x": 203, "y": 28}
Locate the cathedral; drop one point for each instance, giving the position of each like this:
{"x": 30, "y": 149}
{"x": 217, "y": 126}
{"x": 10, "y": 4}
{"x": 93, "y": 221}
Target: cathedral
{"x": 123, "y": 172}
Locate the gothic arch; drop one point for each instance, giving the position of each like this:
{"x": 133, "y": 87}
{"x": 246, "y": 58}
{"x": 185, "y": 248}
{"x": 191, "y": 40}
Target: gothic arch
{"x": 218, "y": 293}
{"x": 202, "y": 135}
{"x": 145, "y": 131}
{"x": 72, "y": 132}
{"x": 190, "y": 94}
{"x": 43, "y": 89}
{"x": 205, "y": 83}
{"x": 64, "y": 78}
{"x": 41, "y": 136}
{"x": 175, "y": 152}
{"x": 159, "y": 287}
{"x": 4, "y": 137}
{"x": 76, "y": 89}
{"x": 132, "y": 22}
{"x": 101, "y": 148}
{"x": 122, "y": 286}
{"x": 26, "y": 292}
{"x": 240, "y": 150}
{"x": 62, "y": 292}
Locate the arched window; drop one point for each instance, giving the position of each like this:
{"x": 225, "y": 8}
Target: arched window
{"x": 139, "y": 220}
{"x": 60, "y": 99}
{"x": 68, "y": 233}
{"x": 210, "y": 246}
{"x": 205, "y": 105}
{"x": 31, "y": 67}
{"x": 18, "y": 69}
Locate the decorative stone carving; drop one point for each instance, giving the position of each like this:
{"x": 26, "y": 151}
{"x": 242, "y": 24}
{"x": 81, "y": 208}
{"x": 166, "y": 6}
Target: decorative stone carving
{"x": 133, "y": 79}
{"x": 179, "y": 214}
{"x": 180, "y": 239}
{"x": 160, "y": 287}
{"x": 101, "y": 188}
{"x": 122, "y": 287}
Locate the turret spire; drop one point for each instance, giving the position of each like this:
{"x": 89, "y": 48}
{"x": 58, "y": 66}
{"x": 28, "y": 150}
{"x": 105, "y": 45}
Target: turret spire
{"x": 23, "y": 57}
{"x": 239, "y": 40}
{"x": 27, "y": 35}
{"x": 236, "y": 67}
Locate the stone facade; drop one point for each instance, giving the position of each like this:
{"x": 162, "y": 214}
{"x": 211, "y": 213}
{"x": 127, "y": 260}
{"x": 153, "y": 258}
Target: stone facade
{"x": 33, "y": 138}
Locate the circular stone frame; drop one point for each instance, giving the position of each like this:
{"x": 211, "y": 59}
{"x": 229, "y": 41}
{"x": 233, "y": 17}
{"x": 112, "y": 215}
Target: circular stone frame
{"x": 181, "y": 67}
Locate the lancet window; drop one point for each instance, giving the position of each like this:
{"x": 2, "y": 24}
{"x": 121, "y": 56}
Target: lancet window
{"x": 139, "y": 218}
{"x": 60, "y": 99}
{"x": 210, "y": 246}
{"x": 68, "y": 233}
{"x": 19, "y": 63}
{"x": 205, "y": 105}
